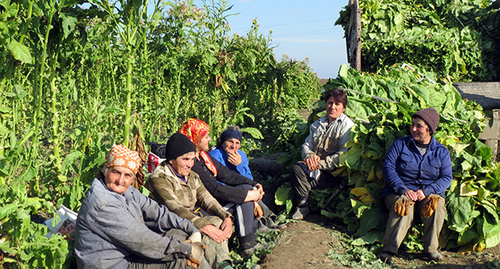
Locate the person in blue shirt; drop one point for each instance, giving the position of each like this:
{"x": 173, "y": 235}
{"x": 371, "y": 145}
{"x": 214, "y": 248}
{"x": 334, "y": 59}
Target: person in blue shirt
{"x": 228, "y": 152}
{"x": 417, "y": 171}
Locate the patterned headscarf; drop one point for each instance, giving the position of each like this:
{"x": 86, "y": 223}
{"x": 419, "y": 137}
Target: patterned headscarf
{"x": 194, "y": 129}
{"x": 119, "y": 155}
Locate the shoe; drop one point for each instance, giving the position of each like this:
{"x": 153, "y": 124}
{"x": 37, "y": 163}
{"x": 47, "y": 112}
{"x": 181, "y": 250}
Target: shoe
{"x": 247, "y": 253}
{"x": 267, "y": 225}
{"x": 435, "y": 256}
{"x": 271, "y": 224}
{"x": 256, "y": 266}
{"x": 386, "y": 257}
{"x": 301, "y": 213}
{"x": 262, "y": 229}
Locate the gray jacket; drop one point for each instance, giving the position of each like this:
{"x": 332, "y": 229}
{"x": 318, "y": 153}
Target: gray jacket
{"x": 113, "y": 229}
{"x": 328, "y": 140}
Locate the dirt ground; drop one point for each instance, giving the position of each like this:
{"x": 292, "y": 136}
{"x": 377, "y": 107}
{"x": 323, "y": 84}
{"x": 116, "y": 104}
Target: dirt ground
{"x": 313, "y": 242}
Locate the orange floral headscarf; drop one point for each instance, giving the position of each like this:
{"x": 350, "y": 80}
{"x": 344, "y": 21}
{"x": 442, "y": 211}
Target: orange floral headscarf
{"x": 195, "y": 130}
{"x": 119, "y": 155}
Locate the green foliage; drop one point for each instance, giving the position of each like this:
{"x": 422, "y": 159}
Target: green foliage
{"x": 457, "y": 39}
{"x": 75, "y": 80}
{"x": 350, "y": 254}
{"x": 394, "y": 96}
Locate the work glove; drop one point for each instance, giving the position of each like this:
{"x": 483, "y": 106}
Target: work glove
{"x": 197, "y": 254}
{"x": 257, "y": 210}
{"x": 430, "y": 204}
{"x": 402, "y": 205}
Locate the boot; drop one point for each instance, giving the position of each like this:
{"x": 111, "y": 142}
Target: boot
{"x": 249, "y": 245}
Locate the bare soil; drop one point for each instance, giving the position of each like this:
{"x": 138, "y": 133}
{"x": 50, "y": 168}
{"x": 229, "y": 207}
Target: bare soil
{"x": 310, "y": 244}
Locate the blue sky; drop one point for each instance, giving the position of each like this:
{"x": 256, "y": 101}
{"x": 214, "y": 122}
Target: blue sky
{"x": 301, "y": 29}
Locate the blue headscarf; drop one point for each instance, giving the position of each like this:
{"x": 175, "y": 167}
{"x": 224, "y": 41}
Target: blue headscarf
{"x": 228, "y": 134}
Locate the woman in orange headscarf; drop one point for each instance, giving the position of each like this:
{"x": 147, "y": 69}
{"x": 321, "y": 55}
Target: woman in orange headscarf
{"x": 238, "y": 190}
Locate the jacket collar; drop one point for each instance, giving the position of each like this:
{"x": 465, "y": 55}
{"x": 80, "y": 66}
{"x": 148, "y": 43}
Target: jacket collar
{"x": 432, "y": 144}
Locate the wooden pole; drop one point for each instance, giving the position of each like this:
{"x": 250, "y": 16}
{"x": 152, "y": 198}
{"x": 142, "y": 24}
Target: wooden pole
{"x": 353, "y": 40}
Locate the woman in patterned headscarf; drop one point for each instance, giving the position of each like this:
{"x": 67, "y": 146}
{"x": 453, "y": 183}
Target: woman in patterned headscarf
{"x": 119, "y": 227}
{"x": 238, "y": 190}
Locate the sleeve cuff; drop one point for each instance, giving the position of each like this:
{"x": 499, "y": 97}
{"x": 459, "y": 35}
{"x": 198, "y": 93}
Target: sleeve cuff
{"x": 183, "y": 249}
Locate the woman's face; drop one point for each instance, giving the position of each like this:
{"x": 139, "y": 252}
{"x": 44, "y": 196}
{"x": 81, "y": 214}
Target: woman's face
{"x": 420, "y": 131}
{"x": 334, "y": 109}
{"x": 118, "y": 179}
{"x": 203, "y": 144}
{"x": 231, "y": 145}
{"x": 183, "y": 164}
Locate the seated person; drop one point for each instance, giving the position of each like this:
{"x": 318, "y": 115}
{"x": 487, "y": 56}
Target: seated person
{"x": 119, "y": 227}
{"x": 174, "y": 184}
{"x": 238, "y": 190}
{"x": 228, "y": 153}
{"x": 417, "y": 171}
{"x": 320, "y": 152}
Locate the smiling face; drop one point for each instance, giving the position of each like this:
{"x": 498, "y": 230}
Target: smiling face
{"x": 118, "y": 179}
{"x": 231, "y": 145}
{"x": 203, "y": 144}
{"x": 420, "y": 131}
{"x": 334, "y": 109}
{"x": 183, "y": 164}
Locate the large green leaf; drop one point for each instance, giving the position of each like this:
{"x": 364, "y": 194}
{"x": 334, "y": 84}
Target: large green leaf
{"x": 20, "y": 52}
{"x": 370, "y": 238}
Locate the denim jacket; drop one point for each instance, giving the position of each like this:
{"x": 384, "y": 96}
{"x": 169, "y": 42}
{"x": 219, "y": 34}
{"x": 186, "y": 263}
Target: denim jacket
{"x": 406, "y": 169}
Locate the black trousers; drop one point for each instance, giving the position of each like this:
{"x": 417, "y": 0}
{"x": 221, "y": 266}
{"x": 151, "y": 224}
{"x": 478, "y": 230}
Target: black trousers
{"x": 302, "y": 183}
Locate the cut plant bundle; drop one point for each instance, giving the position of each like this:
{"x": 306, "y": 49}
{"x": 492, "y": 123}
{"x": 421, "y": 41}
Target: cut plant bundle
{"x": 457, "y": 39}
{"x": 382, "y": 105}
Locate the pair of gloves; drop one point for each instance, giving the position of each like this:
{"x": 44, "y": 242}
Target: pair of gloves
{"x": 197, "y": 250}
{"x": 402, "y": 205}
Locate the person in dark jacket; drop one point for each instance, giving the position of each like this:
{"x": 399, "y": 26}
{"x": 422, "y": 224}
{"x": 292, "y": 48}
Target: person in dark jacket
{"x": 238, "y": 194}
{"x": 119, "y": 227}
{"x": 229, "y": 154}
{"x": 417, "y": 171}
{"x": 175, "y": 185}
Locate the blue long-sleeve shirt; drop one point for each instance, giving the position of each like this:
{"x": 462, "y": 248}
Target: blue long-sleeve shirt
{"x": 406, "y": 169}
{"x": 242, "y": 168}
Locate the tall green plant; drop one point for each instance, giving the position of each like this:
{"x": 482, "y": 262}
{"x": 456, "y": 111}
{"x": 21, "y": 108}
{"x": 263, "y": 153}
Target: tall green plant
{"x": 132, "y": 23}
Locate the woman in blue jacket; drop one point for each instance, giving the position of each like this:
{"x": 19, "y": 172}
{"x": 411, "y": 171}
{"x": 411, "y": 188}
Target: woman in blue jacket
{"x": 417, "y": 171}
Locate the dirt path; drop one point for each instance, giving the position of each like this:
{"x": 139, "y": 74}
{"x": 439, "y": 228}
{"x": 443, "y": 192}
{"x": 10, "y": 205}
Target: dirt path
{"x": 302, "y": 244}
{"x": 314, "y": 242}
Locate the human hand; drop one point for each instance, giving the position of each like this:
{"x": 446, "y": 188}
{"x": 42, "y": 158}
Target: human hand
{"x": 253, "y": 195}
{"x": 312, "y": 162}
{"x": 420, "y": 195}
{"x": 234, "y": 157}
{"x": 411, "y": 195}
{"x": 260, "y": 189}
{"x": 213, "y": 232}
{"x": 227, "y": 227}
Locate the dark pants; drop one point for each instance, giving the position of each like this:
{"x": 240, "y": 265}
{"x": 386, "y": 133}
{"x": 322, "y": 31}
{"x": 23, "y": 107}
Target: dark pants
{"x": 302, "y": 183}
{"x": 244, "y": 220}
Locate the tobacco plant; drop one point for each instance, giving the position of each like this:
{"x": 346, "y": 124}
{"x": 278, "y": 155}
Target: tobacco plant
{"x": 382, "y": 106}
{"x": 456, "y": 39}
{"x": 79, "y": 76}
